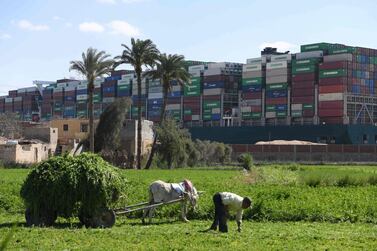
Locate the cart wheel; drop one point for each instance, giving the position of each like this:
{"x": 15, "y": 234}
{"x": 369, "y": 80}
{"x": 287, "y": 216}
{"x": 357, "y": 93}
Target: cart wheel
{"x": 45, "y": 218}
{"x": 103, "y": 218}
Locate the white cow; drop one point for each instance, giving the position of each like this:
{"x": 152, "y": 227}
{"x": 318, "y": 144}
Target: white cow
{"x": 160, "y": 191}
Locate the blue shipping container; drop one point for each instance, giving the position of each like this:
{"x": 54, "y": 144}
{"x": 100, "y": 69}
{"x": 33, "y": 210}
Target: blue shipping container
{"x": 356, "y": 89}
{"x": 216, "y": 116}
{"x": 252, "y": 88}
{"x": 157, "y": 101}
{"x": 82, "y": 92}
{"x": 69, "y": 98}
{"x": 277, "y": 94}
{"x": 113, "y": 78}
{"x": 174, "y": 94}
{"x": 123, "y": 93}
{"x": 213, "y": 85}
{"x": 108, "y": 89}
{"x": 281, "y": 107}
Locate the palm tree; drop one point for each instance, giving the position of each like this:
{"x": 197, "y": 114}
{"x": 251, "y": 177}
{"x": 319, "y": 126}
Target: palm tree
{"x": 168, "y": 68}
{"x": 141, "y": 53}
{"x": 94, "y": 64}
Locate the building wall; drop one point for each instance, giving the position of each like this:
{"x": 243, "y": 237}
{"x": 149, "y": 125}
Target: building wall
{"x": 24, "y": 153}
{"x": 73, "y": 132}
{"x": 129, "y": 136}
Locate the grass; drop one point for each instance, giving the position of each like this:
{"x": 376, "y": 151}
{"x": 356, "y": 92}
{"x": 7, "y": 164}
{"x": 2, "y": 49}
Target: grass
{"x": 288, "y": 212}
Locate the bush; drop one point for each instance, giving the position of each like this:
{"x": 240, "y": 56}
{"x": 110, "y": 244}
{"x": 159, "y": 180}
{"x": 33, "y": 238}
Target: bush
{"x": 68, "y": 186}
{"x": 246, "y": 161}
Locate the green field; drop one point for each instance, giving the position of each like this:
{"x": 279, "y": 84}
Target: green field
{"x": 295, "y": 208}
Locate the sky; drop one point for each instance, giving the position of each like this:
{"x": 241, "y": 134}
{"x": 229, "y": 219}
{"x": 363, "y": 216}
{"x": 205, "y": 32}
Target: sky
{"x": 38, "y": 38}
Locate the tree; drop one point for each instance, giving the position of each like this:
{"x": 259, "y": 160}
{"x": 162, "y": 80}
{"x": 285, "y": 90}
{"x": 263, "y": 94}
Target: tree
{"x": 94, "y": 64}
{"x": 111, "y": 122}
{"x": 173, "y": 143}
{"x": 10, "y": 126}
{"x": 141, "y": 53}
{"x": 168, "y": 68}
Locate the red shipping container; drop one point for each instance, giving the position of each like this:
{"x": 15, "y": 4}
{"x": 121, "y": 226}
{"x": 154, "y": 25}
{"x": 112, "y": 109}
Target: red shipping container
{"x": 212, "y": 97}
{"x": 334, "y": 81}
{"x": 304, "y": 77}
{"x": 256, "y": 108}
{"x": 330, "y": 112}
{"x": 303, "y": 84}
{"x": 255, "y": 95}
{"x": 332, "y": 120}
{"x": 332, "y": 89}
{"x": 187, "y": 117}
{"x": 330, "y": 105}
{"x": 302, "y": 100}
{"x": 276, "y": 101}
{"x": 335, "y": 65}
{"x": 302, "y": 92}
{"x": 191, "y": 99}
{"x": 307, "y": 113}
{"x": 110, "y": 83}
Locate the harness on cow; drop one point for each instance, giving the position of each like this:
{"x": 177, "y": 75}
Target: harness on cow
{"x": 182, "y": 187}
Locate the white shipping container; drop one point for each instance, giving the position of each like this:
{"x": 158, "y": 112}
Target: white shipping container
{"x": 216, "y": 110}
{"x": 331, "y": 96}
{"x": 277, "y": 79}
{"x": 296, "y": 107}
{"x": 128, "y": 76}
{"x": 173, "y": 107}
{"x": 124, "y": 82}
{"x": 213, "y": 71}
{"x": 338, "y": 57}
{"x": 82, "y": 97}
{"x": 69, "y": 88}
{"x": 8, "y": 100}
{"x": 82, "y": 87}
{"x": 214, "y": 91}
{"x": 277, "y": 65}
{"x": 61, "y": 85}
{"x": 282, "y": 57}
{"x": 270, "y": 115}
{"x": 21, "y": 90}
{"x": 252, "y": 102}
{"x": 108, "y": 99}
{"x": 246, "y": 109}
{"x": 252, "y": 74}
{"x": 252, "y": 67}
{"x": 309, "y": 54}
{"x": 154, "y": 95}
{"x": 58, "y": 89}
{"x": 195, "y": 117}
{"x": 176, "y": 88}
{"x": 17, "y": 99}
{"x": 261, "y": 60}
{"x": 277, "y": 72}
{"x": 195, "y": 74}
{"x": 195, "y": 68}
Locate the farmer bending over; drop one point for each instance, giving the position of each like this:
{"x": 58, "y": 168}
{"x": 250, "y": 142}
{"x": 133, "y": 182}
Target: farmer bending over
{"x": 225, "y": 202}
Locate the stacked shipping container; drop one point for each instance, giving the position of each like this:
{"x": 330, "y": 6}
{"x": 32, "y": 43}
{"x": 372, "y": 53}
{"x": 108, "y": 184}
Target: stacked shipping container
{"x": 278, "y": 78}
{"x": 253, "y": 81}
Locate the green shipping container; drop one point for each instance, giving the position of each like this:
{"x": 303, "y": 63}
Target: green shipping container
{"x": 332, "y": 73}
{"x": 251, "y": 81}
{"x": 301, "y": 62}
{"x": 192, "y": 93}
{"x": 281, "y": 114}
{"x": 123, "y": 87}
{"x": 195, "y": 81}
{"x": 342, "y": 50}
{"x": 307, "y": 106}
{"x": 256, "y": 115}
{"x": 246, "y": 115}
{"x": 270, "y": 108}
{"x": 187, "y": 112}
{"x": 207, "y": 116}
{"x": 316, "y": 47}
{"x": 304, "y": 69}
{"x": 279, "y": 86}
{"x": 135, "y": 109}
{"x": 296, "y": 113}
{"x": 207, "y": 111}
{"x": 211, "y": 104}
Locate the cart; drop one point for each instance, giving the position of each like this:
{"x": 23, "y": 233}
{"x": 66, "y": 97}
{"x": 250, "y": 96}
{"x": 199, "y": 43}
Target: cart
{"x": 107, "y": 217}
